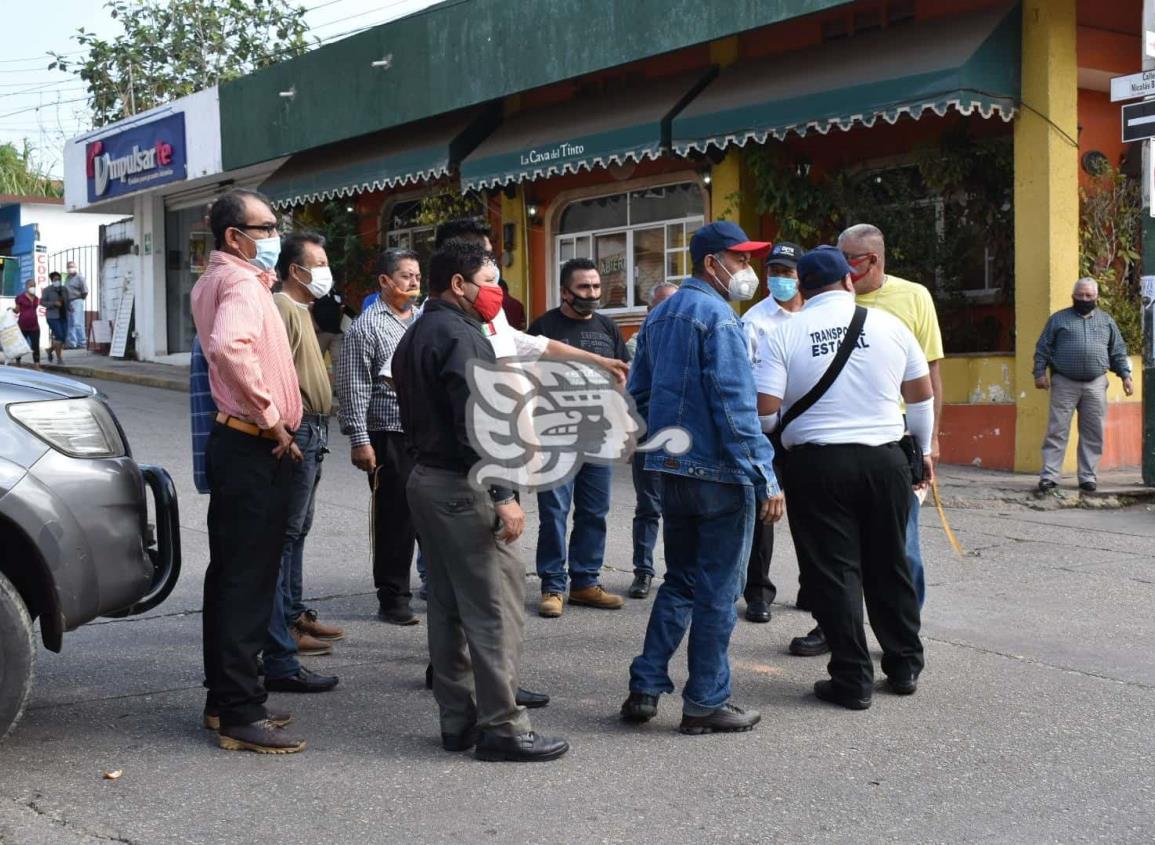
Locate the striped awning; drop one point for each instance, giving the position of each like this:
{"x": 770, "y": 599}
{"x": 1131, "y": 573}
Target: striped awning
{"x": 400, "y": 156}
{"x": 968, "y": 64}
{"x": 631, "y": 124}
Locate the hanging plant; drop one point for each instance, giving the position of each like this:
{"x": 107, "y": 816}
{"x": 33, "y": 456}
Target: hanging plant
{"x": 1110, "y": 223}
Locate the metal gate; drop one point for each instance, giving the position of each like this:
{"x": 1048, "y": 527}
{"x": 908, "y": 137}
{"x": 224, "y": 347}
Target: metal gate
{"x": 87, "y": 260}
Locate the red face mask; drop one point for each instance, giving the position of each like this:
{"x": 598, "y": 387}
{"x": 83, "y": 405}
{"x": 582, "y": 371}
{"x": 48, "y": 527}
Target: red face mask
{"x": 857, "y": 277}
{"x": 488, "y": 301}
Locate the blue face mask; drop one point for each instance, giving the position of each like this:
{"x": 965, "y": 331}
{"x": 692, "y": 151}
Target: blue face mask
{"x": 268, "y": 251}
{"x": 783, "y": 288}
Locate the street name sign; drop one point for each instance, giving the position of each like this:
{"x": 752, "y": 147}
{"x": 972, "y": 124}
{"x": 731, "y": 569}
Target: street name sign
{"x": 1138, "y": 121}
{"x": 1133, "y": 86}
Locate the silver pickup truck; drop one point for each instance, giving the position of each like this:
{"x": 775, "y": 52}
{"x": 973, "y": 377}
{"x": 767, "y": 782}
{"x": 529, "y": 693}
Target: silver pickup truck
{"x": 76, "y": 537}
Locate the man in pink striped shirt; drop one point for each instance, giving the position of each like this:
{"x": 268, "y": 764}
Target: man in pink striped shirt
{"x": 248, "y": 462}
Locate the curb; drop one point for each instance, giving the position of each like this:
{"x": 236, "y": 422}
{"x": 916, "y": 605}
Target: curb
{"x": 177, "y": 385}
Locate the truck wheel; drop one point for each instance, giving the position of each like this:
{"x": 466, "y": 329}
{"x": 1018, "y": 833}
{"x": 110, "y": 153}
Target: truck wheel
{"x": 17, "y": 656}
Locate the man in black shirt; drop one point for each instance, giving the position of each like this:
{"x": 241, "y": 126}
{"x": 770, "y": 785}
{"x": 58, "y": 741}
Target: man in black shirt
{"x": 476, "y": 585}
{"x": 328, "y": 313}
{"x": 578, "y": 324}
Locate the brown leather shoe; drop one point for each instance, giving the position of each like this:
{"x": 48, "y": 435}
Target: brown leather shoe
{"x": 263, "y": 737}
{"x": 595, "y": 596}
{"x": 308, "y": 646}
{"x": 307, "y": 624}
{"x": 551, "y": 605}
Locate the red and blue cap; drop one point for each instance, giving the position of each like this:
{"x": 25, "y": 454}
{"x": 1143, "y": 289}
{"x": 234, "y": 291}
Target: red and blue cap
{"x": 723, "y": 235}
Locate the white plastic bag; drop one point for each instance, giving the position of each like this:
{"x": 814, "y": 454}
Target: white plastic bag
{"x": 11, "y": 338}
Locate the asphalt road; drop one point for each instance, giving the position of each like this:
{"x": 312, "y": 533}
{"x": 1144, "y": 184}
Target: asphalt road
{"x": 1034, "y": 721}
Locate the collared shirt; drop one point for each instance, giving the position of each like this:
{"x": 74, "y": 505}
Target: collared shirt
{"x": 911, "y": 303}
{"x": 250, "y": 364}
{"x": 429, "y": 369}
{"x": 759, "y": 322}
{"x": 77, "y": 287}
{"x": 204, "y": 413}
{"x": 316, "y": 390}
{"x": 1081, "y": 348}
{"x": 862, "y": 404}
{"x": 368, "y": 400}
{"x": 509, "y": 342}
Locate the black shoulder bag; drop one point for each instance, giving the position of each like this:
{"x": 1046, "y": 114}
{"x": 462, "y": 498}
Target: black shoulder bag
{"x": 853, "y": 332}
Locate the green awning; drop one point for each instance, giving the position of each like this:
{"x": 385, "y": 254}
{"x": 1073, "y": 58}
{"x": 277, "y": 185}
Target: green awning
{"x": 582, "y": 133}
{"x": 969, "y": 64}
{"x": 379, "y": 161}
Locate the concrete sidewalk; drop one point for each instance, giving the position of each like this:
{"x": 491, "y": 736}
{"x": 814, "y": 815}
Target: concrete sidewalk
{"x": 89, "y": 365}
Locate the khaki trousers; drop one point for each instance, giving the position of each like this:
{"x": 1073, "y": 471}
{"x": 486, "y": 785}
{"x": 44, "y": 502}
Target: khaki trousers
{"x": 1089, "y": 398}
{"x": 476, "y": 606}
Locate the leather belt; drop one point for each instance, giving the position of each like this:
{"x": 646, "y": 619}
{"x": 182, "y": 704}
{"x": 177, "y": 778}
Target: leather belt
{"x": 245, "y": 427}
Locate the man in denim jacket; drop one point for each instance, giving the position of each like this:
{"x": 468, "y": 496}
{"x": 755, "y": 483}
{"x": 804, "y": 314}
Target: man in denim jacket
{"x": 692, "y": 372}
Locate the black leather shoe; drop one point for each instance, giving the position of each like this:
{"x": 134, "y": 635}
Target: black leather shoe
{"x": 531, "y": 700}
{"x": 460, "y": 742}
{"x": 303, "y": 681}
{"x": 812, "y": 645}
{"x": 727, "y": 719}
{"x": 212, "y": 719}
{"x": 429, "y": 676}
{"x": 1046, "y": 485}
{"x": 826, "y": 691}
{"x": 757, "y": 611}
{"x": 526, "y": 748}
{"x": 640, "y": 588}
{"x": 262, "y": 737}
{"x": 1088, "y": 486}
{"x": 639, "y": 708}
{"x": 398, "y": 614}
{"x": 903, "y": 686}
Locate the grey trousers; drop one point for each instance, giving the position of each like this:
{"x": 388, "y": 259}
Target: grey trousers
{"x": 476, "y": 605}
{"x": 1089, "y": 398}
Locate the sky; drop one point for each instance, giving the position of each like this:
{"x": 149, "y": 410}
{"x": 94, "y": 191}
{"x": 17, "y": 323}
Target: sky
{"x": 47, "y": 107}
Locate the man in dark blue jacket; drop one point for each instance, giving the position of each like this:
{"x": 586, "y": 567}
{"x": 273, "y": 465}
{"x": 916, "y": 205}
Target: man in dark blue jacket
{"x": 692, "y": 372}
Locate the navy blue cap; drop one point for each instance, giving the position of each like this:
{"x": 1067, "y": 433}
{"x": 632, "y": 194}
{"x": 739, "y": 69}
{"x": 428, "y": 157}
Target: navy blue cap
{"x": 785, "y": 253}
{"x": 723, "y": 235}
{"x": 822, "y": 266}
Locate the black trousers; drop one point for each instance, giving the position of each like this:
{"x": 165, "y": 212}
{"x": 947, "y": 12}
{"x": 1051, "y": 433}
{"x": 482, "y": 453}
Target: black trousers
{"x": 759, "y": 587}
{"x": 394, "y": 536}
{"x": 849, "y": 505}
{"x": 248, "y": 514}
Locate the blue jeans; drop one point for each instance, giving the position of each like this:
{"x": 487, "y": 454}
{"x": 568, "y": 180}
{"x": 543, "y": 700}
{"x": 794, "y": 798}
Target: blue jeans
{"x": 708, "y": 530}
{"x": 589, "y": 493}
{"x": 76, "y": 328}
{"x": 914, "y": 552}
{"x": 647, "y": 514}
{"x": 281, "y": 649}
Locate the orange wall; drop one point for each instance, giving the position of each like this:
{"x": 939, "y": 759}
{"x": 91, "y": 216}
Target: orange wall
{"x": 984, "y": 435}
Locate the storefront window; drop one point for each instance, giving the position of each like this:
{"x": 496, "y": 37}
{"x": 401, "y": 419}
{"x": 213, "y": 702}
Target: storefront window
{"x": 637, "y": 239}
{"x": 188, "y": 243}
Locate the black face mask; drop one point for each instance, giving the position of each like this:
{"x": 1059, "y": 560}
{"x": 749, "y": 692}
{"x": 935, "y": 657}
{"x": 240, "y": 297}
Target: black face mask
{"x": 1084, "y": 307}
{"x": 585, "y": 305}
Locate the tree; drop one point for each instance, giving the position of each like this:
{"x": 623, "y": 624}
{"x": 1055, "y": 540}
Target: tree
{"x": 171, "y": 48}
{"x": 22, "y": 175}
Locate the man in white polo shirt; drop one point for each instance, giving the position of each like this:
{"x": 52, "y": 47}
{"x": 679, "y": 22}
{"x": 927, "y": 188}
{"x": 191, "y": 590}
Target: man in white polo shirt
{"x": 782, "y": 301}
{"x": 848, "y": 481}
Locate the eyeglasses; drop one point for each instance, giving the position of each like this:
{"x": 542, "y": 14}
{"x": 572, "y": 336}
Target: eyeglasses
{"x": 853, "y": 259}
{"x": 269, "y": 229}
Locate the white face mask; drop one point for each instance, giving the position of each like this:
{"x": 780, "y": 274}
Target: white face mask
{"x": 743, "y": 284}
{"x": 320, "y": 281}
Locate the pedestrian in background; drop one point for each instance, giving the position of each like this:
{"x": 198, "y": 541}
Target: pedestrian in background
{"x": 54, "y": 300}
{"x": 848, "y": 480}
{"x": 576, "y": 323}
{"x": 476, "y": 585}
{"x": 1076, "y": 348}
{"x": 28, "y": 319}
{"x": 693, "y": 372}
{"x": 249, "y": 462}
{"x": 77, "y": 288}
{"x": 329, "y": 315}
{"x": 647, "y": 484}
